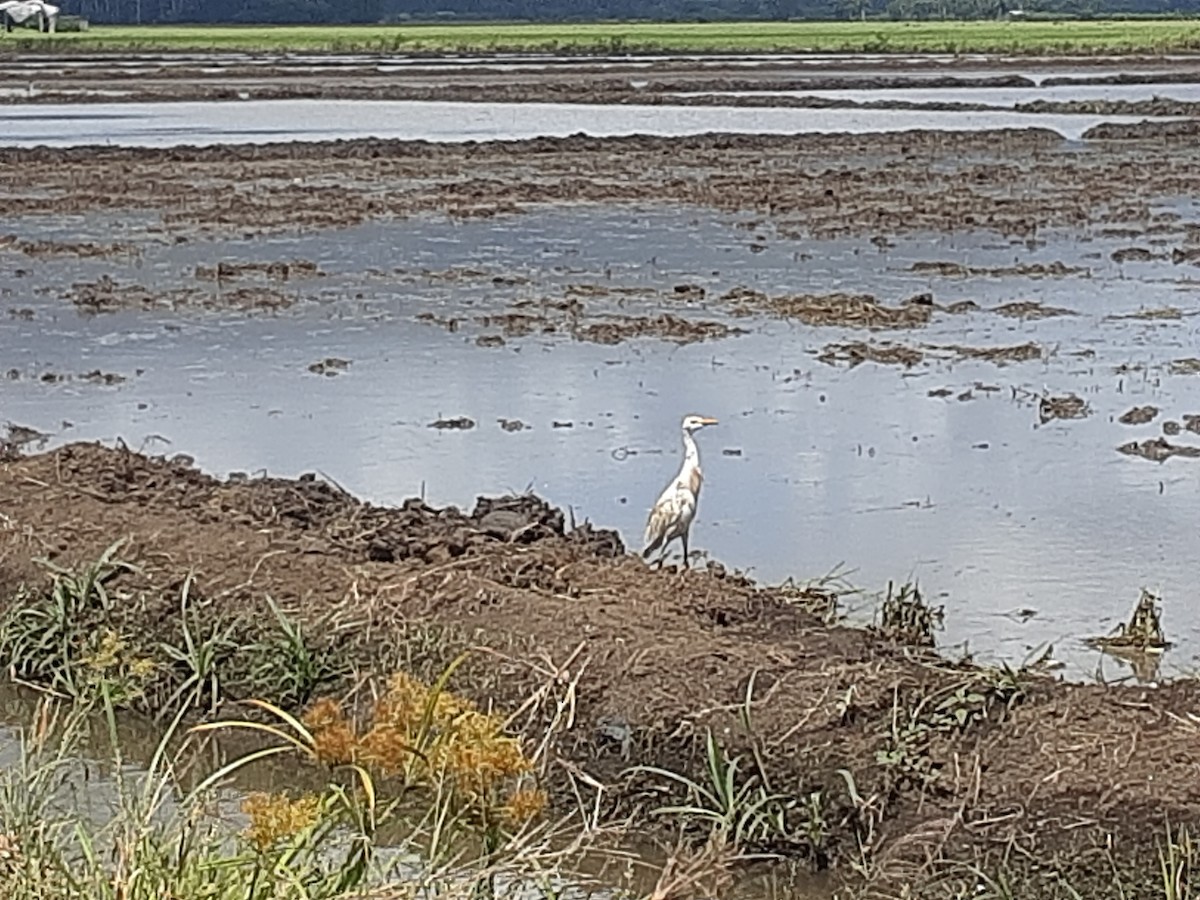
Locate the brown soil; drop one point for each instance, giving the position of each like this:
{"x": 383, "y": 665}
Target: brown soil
{"x": 108, "y": 295}
{"x": 1012, "y": 182}
{"x": 857, "y": 352}
{"x": 582, "y": 322}
{"x": 998, "y": 355}
{"x": 841, "y": 310}
{"x": 1187, "y": 366}
{"x": 1139, "y": 415}
{"x": 1030, "y": 309}
{"x": 280, "y": 270}
{"x": 646, "y": 660}
{"x": 1068, "y": 406}
{"x": 1164, "y": 312}
{"x": 664, "y": 327}
{"x": 1158, "y": 450}
{"x": 571, "y": 83}
{"x": 85, "y": 249}
{"x": 1028, "y": 270}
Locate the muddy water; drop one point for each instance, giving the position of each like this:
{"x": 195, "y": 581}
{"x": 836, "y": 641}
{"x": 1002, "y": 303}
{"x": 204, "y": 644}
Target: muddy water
{"x": 189, "y": 123}
{"x": 90, "y": 791}
{"x": 813, "y": 466}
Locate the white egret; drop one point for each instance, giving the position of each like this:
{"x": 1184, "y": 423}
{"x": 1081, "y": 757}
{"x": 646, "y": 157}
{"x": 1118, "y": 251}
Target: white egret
{"x": 672, "y": 515}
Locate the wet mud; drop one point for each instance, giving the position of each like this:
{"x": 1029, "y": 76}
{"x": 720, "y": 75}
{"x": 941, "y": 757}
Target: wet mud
{"x": 107, "y": 295}
{"x": 809, "y": 185}
{"x": 947, "y": 760}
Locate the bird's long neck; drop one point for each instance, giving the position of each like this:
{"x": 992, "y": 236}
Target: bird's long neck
{"x": 691, "y": 454}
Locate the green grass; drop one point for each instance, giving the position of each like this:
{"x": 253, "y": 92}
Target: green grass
{"x": 1134, "y": 35}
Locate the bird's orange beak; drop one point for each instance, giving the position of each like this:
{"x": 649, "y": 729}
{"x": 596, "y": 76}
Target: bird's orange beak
{"x": 708, "y": 421}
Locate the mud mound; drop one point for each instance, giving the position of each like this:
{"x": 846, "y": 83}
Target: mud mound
{"x": 321, "y": 514}
{"x": 837, "y": 309}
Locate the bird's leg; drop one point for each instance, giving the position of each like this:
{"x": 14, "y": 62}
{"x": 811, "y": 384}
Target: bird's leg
{"x": 686, "y": 563}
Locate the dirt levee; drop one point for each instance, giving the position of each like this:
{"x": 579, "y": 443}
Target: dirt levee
{"x": 942, "y": 755}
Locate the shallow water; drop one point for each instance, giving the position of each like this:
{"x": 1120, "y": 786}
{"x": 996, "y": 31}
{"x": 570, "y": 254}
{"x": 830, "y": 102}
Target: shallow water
{"x": 90, "y": 791}
{"x": 999, "y": 97}
{"x": 263, "y": 121}
{"x": 812, "y": 466}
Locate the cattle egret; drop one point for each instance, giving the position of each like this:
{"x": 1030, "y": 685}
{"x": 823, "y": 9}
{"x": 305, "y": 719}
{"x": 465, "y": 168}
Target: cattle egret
{"x": 672, "y": 515}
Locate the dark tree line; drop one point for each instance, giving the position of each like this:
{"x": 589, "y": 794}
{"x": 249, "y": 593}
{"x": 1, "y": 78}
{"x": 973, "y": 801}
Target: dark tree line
{"x": 365, "y": 11}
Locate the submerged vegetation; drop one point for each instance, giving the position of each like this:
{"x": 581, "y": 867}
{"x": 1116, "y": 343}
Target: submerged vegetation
{"x": 1094, "y": 36}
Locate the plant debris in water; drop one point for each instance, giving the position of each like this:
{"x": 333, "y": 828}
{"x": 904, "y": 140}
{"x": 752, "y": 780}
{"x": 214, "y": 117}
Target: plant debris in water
{"x": 906, "y": 618}
{"x": 665, "y": 327}
{"x": 1029, "y": 309}
{"x": 279, "y": 270}
{"x": 999, "y": 355}
{"x": 837, "y": 309}
{"x": 856, "y": 352}
{"x": 1055, "y": 269}
{"x": 1143, "y": 632}
{"x": 1163, "y": 312}
{"x": 1158, "y": 449}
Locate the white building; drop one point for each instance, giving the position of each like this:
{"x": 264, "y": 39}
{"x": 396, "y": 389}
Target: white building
{"x": 19, "y": 12}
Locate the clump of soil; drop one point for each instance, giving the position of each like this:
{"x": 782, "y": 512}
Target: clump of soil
{"x": 837, "y": 309}
{"x": 664, "y": 327}
{"x": 1068, "y": 406}
{"x": 1135, "y": 254}
{"x": 571, "y": 316}
{"x": 517, "y": 324}
{"x": 85, "y": 249}
{"x": 458, "y": 423}
{"x": 107, "y": 295}
{"x": 1030, "y": 309}
{"x": 1139, "y": 415}
{"x": 1016, "y": 353}
{"x": 1163, "y": 312}
{"x": 1055, "y": 269}
{"x": 1191, "y": 421}
{"x": 329, "y": 366}
{"x": 279, "y": 270}
{"x": 1158, "y": 449}
{"x": 1188, "y": 366}
{"x": 858, "y": 352}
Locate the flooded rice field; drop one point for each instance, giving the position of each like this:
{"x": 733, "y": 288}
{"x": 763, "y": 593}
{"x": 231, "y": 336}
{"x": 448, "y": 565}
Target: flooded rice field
{"x": 544, "y": 330}
{"x": 955, "y": 350}
{"x": 204, "y": 124}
